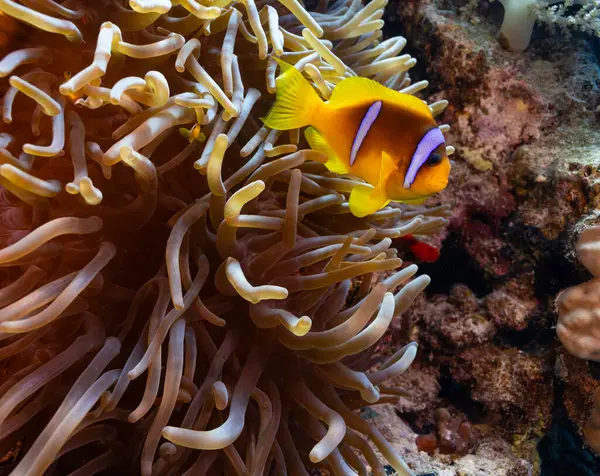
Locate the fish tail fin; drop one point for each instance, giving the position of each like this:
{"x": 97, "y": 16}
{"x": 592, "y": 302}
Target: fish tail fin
{"x": 365, "y": 199}
{"x": 296, "y": 100}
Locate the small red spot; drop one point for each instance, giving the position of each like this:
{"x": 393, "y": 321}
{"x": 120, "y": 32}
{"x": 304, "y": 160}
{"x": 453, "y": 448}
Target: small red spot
{"x": 424, "y": 252}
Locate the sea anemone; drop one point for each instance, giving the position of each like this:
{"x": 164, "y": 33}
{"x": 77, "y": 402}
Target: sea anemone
{"x": 185, "y": 291}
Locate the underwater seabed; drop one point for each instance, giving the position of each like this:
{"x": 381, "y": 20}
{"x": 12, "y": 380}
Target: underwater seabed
{"x": 191, "y": 300}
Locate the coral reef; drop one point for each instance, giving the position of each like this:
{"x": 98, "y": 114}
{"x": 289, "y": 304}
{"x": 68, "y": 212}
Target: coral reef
{"x": 592, "y": 427}
{"x": 183, "y": 290}
{"x": 506, "y": 381}
{"x": 491, "y": 456}
{"x": 451, "y": 435}
{"x": 524, "y": 174}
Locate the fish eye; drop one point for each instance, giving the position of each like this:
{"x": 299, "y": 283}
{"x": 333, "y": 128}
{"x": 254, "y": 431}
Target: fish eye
{"x": 434, "y": 159}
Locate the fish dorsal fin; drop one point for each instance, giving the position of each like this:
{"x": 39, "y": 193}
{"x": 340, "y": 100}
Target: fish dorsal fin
{"x": 317, "y": 142}
{"x": 354, "y": 91}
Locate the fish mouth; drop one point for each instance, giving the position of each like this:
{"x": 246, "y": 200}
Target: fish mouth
{"x": 440, "y": 185}
{"x": 442, "y": 180}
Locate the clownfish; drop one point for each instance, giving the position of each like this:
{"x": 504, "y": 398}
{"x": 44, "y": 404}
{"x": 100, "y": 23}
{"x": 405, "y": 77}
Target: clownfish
{"x": 388, "y": 139}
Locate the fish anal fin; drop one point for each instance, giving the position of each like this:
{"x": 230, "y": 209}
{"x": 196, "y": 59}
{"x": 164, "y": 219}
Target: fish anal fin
{"x": 357, "y": 90}
{"x": 365, "y": 200}
{"x": 317, "y": 142}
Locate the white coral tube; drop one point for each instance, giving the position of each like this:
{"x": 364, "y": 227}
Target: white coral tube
{"x": 227, "y": 50}
{"x": 163, "y": 47}
{"x": 41, "y": 21}
{"x": 170, "y": 117}
{"x": 58, "y": 135}
{"x": 152, "y": 91}
{"x": 25, "y": 56}
{"x": 150, "y": 6}
{"x": 303, "y": 16}
{"x": 26, "y": 181}
{"x": 199, "y": 10}
{"x": 207, "y": 81}
{"x": 109, "y": 33}
{"x": 254, "y": 294}
{"x": 517, "y": 26}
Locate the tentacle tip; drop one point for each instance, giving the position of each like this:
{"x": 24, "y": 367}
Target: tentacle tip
{"x": 303, "y": 326}
{"x": 370, "y": 396}
{"x": 96, "y": 222}
{"x": 316, "y": 455}
{"x": 131, "y": 418}
{"x": 75, "y": 37}
{"x": 65, "y": 90}
{"x": 113, "y": 341}
{"x": 167, "y": 432}
{"x": 131, "y": 375}
{"x": 72, "y": 188}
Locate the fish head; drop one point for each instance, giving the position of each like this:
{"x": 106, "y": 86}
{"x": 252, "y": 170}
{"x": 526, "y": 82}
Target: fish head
{"x": 431, "y": 177}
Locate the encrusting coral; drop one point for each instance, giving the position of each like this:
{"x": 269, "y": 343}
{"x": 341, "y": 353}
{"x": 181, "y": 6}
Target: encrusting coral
{"x": 510, "y": 233}
{"x": 248, "y": 341}
{"x": 451, "y": 435}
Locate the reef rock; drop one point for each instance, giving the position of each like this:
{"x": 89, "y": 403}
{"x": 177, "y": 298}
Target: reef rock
{"x": 525, "y": 180}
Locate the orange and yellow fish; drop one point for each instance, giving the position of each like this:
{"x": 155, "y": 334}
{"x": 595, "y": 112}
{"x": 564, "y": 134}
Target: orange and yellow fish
{"x": 388, "y": 139}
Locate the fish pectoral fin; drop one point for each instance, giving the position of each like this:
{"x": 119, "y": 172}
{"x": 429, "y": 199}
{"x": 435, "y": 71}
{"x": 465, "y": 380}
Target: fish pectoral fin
{"x": 387, "y": 168}
{"x": 317, "y": 142}
{"x": 365, "y": 200}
